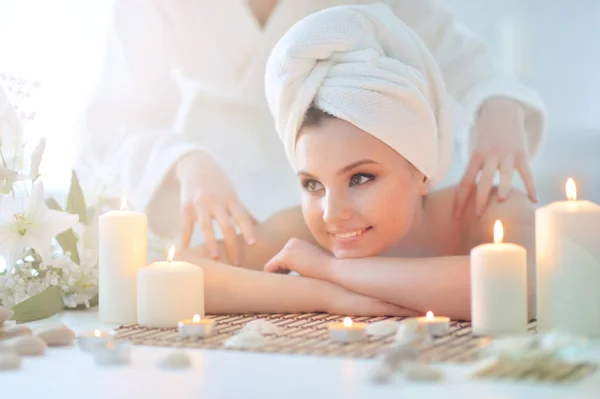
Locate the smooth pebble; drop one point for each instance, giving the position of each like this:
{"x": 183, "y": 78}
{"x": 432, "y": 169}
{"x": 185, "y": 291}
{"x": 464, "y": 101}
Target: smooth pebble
{"x": 410, "y": 331}
{"x": 382, "y": 328}
{"x": 420, "y": 372}
{"x": 26, "y": 346}
{"x": 262, "y": 326}
{"x": 175, "y": 361}
{"x": 57, "y": 336}
{"x": 10, "y": 361}
{"x": 16, "y": 331}
{"x": 247, "y": 339}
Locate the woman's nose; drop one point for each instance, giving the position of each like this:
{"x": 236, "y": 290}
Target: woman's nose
{"x": 336, "y": 208}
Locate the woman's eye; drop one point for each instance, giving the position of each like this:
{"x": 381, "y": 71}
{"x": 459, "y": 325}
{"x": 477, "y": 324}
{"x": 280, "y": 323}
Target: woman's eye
{"x": 360, "y": 178}
{"x": 312, "y": 185}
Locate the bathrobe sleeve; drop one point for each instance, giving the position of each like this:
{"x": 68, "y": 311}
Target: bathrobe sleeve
{"x": 129, "y": 143}
{"x": 467, "y": 66}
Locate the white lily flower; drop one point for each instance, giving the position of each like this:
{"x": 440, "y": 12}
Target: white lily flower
{"x": 28, "y": 223}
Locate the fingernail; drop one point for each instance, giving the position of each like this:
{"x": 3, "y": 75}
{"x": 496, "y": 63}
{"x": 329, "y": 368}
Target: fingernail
{"x": 251, "y": 241}
{"x": 214, "y": 255}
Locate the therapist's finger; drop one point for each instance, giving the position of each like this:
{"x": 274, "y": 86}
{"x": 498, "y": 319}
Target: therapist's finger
{"x": 244, "y": 221}
{"x": 189, "y": 218}
{"x": 230, "y": 237}
{"x": 486, "y": 182}
{"x": 525, "y": 171}
{"x": 467, "y": 184}
{"x": 208, "y": 234}
{"x": 507, "y": 166}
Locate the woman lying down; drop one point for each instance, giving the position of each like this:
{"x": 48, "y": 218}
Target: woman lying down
{"x": 361, "y": 108}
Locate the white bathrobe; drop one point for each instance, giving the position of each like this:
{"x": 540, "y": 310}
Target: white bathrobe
{"x": 131, "y": 141}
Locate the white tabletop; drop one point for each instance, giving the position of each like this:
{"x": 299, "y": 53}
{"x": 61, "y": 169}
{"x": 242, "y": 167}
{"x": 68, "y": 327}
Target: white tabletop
{"x": 70, "y": 373}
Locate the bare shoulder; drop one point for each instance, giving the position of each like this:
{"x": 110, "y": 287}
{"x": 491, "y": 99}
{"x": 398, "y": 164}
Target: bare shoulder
{"x": 285, "y": 224}
{"x": 517, "y": 215}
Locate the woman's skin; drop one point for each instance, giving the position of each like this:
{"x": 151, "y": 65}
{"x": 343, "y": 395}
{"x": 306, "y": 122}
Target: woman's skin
{"x": 406, "y": 248}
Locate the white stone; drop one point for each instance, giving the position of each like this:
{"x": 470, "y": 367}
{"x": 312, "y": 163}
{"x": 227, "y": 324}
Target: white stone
{"x": 261, "y": 326}
{"x": 5, "y": 314}
{"x": 176, "y": 360}
{"x": 26, "y": 345}
{"x": 16, "y": 331}
{"x": 382, "y": 328}
{"x": 247, "y": 339}
{"x": 410, "y": 331}
{"x": 57, "y": 336}
{"x": 9, "y": 361}
{"x": 420, "y": 372}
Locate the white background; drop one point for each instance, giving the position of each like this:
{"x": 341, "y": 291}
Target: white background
{"x": 551, "y": 45}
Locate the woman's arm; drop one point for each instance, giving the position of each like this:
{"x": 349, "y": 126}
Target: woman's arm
{"x": 271, "y": 236}
{"x": 442, "y": 284}
{"x": 230, "y": 289}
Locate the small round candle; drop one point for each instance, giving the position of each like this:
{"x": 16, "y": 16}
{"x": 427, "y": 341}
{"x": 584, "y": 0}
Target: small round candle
{"x": 436, "y": 326}
{"x": 89, "y": 339}
{"x": 197, "y": 327}
{"x": 112, "y": 353}
{"x": 347, "y": 331}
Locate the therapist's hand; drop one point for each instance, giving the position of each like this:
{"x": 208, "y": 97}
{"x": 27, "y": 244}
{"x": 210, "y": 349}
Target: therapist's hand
{"x": 500, "y": 146}
{"x": 207, "y": 195}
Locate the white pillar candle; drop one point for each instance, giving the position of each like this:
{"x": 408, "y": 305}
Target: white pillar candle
{"x": 122, "y": 251}
{"x": 498, "y": 287}
{"x": 568, "y": 265}
{"x": 169, "y": 292}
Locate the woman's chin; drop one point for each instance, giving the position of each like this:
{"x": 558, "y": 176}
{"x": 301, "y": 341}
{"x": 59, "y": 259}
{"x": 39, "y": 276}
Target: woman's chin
{"x": 354, "y": 252}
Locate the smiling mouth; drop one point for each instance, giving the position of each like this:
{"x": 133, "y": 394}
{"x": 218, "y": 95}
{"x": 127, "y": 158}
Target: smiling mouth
{"x": 352, "y": 234}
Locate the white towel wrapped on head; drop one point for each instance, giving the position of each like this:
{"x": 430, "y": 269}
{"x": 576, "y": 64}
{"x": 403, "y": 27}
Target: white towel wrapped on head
{"x": 363, "y": 65}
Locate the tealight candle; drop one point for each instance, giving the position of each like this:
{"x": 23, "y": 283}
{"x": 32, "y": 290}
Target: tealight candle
{"x": 347, "y": 331}
{"x": 112, "y": 353}
{"x": 436, "y": 326}
{"x": 197, "y": 327}
{"x": 90, "y": 339}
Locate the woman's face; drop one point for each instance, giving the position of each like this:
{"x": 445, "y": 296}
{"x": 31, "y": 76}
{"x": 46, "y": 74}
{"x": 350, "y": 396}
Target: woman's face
{"x": 359, "y": 195}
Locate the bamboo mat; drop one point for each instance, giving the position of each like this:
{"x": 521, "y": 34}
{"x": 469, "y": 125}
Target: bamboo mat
{"x": 306, "y": 334}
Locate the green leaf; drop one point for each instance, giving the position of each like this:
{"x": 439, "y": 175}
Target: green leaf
{"x": 68, "y": 242}
{"x": 41, "y": 306}
{"x": 76, "y": 200}
{"x": 66, "y": 239}
{"x": 53, "y": 204}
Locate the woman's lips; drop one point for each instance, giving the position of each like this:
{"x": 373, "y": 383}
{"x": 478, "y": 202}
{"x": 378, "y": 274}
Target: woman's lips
{"x": 349, "y": 236}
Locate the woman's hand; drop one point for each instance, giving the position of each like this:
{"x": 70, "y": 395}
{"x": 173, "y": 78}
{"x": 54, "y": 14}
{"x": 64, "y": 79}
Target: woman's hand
{"x": 207, "y": 195}
{"x": 302, "y": 257}
{"x": 500, "y": 145}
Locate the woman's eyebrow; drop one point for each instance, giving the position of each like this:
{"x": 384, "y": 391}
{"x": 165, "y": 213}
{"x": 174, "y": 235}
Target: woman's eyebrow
{"x": 353, "y": 165}
{"x": 342, "y": 171}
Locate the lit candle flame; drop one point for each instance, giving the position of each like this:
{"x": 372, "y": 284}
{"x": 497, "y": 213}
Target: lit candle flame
{"x": 498, "y": 232}
{"x": 196, "y": 318}
{"x": 97, "y": 333}
{"x": 123, "y": 202}
{"x": 429, "y": 315}
{"x": 347, "y": 322}
{"x": 571, "y": 190}
{"x": 171, "y": 254}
